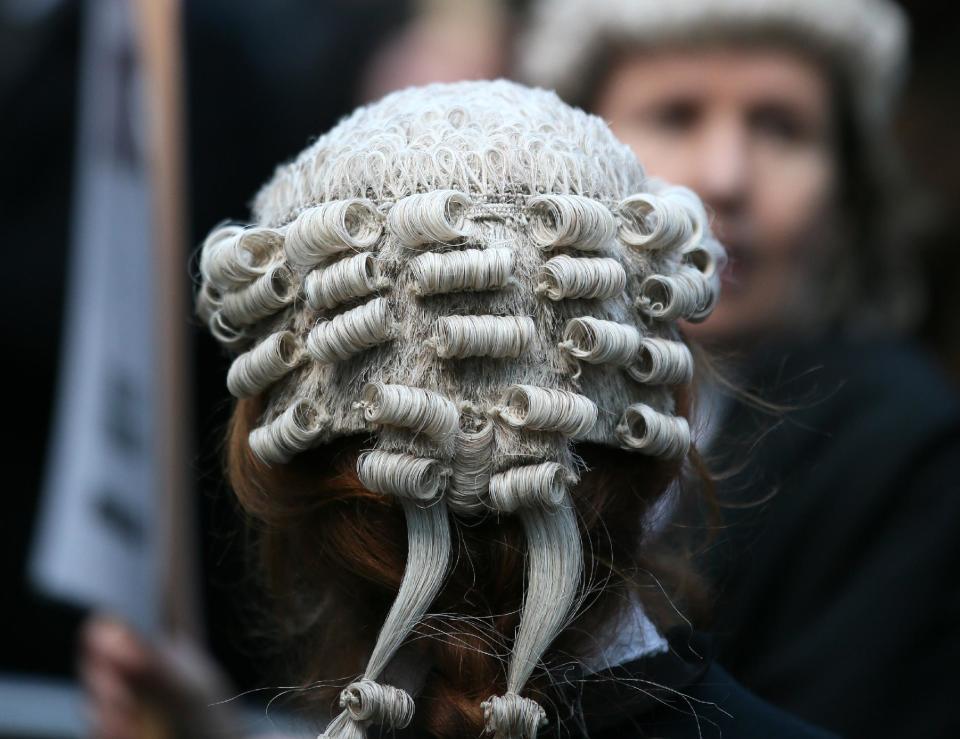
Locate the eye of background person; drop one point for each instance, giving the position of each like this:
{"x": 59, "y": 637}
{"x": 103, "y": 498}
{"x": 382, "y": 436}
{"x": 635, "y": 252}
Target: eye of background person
{"x": 782, "y": 123}
{"x": 678, "y": 115}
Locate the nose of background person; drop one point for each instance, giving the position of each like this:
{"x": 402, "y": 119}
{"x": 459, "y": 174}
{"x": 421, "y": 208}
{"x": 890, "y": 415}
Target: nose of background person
{"x": 722, "y": 175}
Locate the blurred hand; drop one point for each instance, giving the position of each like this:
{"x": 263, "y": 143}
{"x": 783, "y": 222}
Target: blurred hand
{"x": 157, "y": 691}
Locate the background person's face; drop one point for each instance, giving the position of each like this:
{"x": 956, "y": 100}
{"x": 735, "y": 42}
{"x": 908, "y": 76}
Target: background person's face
{"x": 751, "y": 131}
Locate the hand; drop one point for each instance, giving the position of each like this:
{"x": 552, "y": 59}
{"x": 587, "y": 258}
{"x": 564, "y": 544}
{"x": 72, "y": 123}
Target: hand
{"x": 165, "y": 690}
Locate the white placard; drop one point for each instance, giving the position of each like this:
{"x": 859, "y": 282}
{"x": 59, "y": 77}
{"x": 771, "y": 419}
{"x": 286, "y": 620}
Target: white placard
{"x": 96, "y": 543}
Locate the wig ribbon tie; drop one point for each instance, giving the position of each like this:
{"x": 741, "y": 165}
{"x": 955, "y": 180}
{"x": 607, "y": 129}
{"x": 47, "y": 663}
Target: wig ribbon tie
{"x": 510, "y": 716}
{"x": 366, "y": 700}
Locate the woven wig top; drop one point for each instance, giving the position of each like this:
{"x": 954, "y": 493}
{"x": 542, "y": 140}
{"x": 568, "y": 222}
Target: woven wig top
{"x": 476, "y": 275}
{"x": 488, "y": 139}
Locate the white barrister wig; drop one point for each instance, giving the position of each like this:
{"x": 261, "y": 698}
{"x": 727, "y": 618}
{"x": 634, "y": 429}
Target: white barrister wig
{"x": 475, "y": 275}
{"x": 865, "y": 41}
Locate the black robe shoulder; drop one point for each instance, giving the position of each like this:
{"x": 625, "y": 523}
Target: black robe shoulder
{"x": 837, "y": 592}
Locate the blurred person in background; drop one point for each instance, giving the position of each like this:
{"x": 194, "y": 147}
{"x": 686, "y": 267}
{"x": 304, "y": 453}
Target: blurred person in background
{"x": 836, "y": 592}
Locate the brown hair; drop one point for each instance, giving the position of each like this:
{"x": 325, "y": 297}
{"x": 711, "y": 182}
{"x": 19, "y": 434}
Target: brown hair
{"x": 332, "y": 556}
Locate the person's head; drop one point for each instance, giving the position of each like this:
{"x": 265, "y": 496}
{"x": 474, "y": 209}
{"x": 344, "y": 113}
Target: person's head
{"x": 772, "y": 112}
{"x": 462, "y": 393}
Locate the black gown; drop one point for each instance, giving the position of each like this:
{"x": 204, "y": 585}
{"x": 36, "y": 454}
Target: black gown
{"x": 680, "y": 694}
{"x": 838, "y": 597}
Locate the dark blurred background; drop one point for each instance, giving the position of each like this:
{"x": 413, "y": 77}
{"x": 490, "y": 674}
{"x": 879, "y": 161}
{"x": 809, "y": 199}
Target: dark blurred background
{"x": 263, "y": 79}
